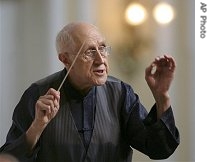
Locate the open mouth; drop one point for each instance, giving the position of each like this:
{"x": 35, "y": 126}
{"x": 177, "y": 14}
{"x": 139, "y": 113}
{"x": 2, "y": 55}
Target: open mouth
{"x": 99, "y": 72}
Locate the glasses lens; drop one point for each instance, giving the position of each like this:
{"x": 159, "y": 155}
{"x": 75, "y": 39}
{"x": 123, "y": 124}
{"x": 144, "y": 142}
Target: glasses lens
{"x": 90, "y": 54}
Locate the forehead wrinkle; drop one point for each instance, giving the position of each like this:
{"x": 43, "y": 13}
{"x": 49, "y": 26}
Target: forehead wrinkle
{"x": 90, "y": 35}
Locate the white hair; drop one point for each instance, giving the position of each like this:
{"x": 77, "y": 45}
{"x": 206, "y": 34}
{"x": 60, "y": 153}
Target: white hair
{"x": 64, "y": 39}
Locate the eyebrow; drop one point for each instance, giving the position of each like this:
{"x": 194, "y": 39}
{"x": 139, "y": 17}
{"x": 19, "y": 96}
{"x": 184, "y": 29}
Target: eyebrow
{"x": 93, "y": 47}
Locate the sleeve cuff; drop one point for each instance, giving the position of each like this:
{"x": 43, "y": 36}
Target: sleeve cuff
{"x": 166, "y": 120}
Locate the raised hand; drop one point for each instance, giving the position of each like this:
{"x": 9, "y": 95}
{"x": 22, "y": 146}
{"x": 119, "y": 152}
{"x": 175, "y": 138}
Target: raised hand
{"x": 47, "y": 106}
{"x": 46, "y": 109}
{"x": 159, "y": 76}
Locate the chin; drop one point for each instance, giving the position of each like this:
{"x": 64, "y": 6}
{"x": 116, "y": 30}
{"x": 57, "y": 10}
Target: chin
{"x": 101, "y": 81}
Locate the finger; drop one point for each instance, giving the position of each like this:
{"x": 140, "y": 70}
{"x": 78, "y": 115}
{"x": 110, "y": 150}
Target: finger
{"x": 53, "y": 95}
{"x": 169, "y": 58}
{"x": 47, "y": 101}
{"x": 173, "y": 63}
{"x": 56, "y": 104}
{"x": 43, "y": 107}
{"x": 160, "y": 60}
{"x": 54, "y": 110}
{"x": 157, "y": 58}
{"x": 47, "y": 97}
{"x": 166, "y": 61}
{"x": 53, "y": 92}
{"x": 150, "y": 70}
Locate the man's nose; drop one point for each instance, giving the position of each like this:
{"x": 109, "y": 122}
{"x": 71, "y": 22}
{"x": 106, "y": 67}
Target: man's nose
{"x": 98, "y": 57}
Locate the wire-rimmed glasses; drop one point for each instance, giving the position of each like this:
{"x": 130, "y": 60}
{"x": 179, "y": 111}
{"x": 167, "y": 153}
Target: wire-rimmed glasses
{"x": 90, "y": 54}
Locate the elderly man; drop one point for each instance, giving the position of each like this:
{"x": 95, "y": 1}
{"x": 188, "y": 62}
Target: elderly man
{"x": 92, "y": 117}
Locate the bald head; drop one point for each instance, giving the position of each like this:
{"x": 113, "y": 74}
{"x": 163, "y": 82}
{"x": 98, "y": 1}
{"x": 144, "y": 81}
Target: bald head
{"x": 74, "y": 34}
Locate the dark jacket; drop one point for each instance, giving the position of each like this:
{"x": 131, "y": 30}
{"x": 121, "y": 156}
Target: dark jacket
{"x": 120, "y": 122}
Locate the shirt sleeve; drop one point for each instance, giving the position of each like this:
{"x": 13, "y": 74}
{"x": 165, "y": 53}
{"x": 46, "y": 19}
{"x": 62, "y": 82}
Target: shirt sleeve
{"x": 158, "y": 139}
{"x": 23, "y": 116}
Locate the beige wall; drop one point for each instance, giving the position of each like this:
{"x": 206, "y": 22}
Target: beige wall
{"x": 27, "y": 53}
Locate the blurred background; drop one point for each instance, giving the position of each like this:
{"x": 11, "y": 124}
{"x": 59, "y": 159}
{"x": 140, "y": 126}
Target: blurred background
{"x": 137, "y": 30}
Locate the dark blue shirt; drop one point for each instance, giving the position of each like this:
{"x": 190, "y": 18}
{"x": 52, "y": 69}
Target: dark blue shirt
{"x": 82, "y": 109}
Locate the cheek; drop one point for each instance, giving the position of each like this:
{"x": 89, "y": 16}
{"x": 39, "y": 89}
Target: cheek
{"x": 107, "y": 68}
{"x": 78, "y": 69}
{"x": 81, "y": 64}
{"x": 84, "y": 69}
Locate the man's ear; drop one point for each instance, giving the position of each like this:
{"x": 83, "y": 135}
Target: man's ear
{"x": 63, "y": 57}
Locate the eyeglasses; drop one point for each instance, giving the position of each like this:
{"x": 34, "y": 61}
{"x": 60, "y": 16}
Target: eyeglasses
{"x": 90, "y": 54}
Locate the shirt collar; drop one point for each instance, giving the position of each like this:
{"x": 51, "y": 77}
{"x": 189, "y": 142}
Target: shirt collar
{"x": 73, "y": 92}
